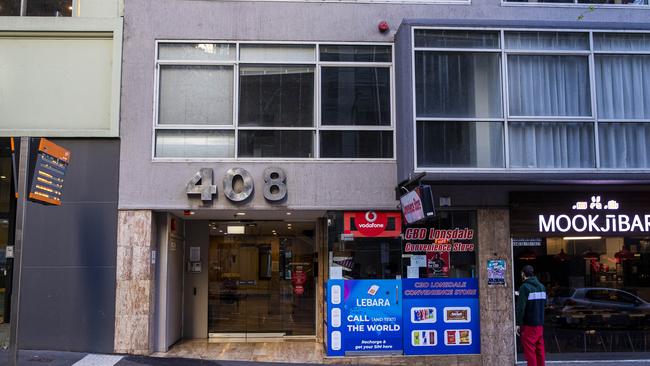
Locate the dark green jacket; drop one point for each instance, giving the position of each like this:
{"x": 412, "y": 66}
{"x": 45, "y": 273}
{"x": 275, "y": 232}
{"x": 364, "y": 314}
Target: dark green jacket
{"x": 531, "y": 302}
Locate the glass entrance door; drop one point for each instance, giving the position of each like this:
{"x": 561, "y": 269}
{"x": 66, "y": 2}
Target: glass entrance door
{"x": 261, "y": 283}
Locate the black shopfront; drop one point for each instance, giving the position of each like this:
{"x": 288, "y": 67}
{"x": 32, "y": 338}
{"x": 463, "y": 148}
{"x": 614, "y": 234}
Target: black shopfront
{"x": 591, "y": 250}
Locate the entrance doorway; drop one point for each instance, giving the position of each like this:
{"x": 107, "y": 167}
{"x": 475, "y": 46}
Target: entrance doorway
{"x": 262, "y": 279}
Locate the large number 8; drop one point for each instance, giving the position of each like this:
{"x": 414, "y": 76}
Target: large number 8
{"x": 275, "y": 187}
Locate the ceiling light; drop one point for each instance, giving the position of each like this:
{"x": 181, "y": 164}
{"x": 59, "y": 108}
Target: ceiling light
{"x": 582, "y": 237}
{"x": 221, "y": 231}
{"x": 241, "y": 214}
{"x": 70, "y": 7}
{"x": 239, "y": 229}
{"x": 288, "y": 213}
{"x": 3, "y": 177}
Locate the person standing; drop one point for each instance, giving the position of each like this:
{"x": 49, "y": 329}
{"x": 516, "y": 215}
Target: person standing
{"x": 530, "y": 317}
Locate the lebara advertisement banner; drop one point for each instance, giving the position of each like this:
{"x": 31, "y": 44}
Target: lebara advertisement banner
{"x": 364, "y": 317}
{"x": 441, "y": 316}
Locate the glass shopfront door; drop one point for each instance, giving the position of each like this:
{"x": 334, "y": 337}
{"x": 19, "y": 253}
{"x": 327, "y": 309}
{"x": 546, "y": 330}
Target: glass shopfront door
{"x": 7, "y": 209}
{"x": 262, "y": 283}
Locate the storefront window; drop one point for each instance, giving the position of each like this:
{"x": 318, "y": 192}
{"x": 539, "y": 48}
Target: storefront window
{"x": 445, "y": 247}
{"x": 357, "y": 254}
{"x": 598, "y": 291}
{"x": 592, "y": 253}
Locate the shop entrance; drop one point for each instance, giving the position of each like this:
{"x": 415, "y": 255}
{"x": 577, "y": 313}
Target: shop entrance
{"x": 261, "y": 280}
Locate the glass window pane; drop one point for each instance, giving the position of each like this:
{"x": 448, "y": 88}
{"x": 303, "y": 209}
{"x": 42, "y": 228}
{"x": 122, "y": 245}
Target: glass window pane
{"x": 9, "y": 7}
{"x": 460, "y": 144}
{"x": 540, "y": 1}
{"x": 456, "y": 39}
{"x": 49, "y": 8}
{"x": 355, "y": 96}
{"x": 276, "y": 144}
{"x": 197, "y": 51}
{"x": 623, "y": 86}
{"x": 622, "y": 41}
{"x": 549, "y": 85}
{"x": 547, "y": 41}
{"x": 356, "y": 144}
{"x": 276, "y": 53}
{"x": 551, "y": 145}
{"x": 195, "y": 144}
{"x": 624, "y": 145}
{"x": 273, "y": 96}
{"x": 349, "y": 53}
{"x": 614, "y": 2}
{"x": 196, "y": 95}
{"x": 458, "y": 84}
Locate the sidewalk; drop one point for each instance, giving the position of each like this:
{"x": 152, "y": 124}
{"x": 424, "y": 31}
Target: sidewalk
{"x": 57, "y": 358}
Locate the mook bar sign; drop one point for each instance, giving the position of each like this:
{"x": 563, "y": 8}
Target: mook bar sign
{"x": 594, "y": 214}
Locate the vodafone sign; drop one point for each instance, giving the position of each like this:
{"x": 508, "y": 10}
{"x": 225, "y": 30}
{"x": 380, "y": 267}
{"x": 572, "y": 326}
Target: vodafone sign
{"x": 371, "y": 224}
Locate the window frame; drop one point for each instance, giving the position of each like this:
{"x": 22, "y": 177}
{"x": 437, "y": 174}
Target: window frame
{"x": 235, "y": 64}
{"x": 591, "y": 54}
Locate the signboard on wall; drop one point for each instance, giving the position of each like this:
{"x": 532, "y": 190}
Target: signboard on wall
{"x": 547, "y": 214}
{"x": 48, "y": 173}
{"x": 364, "y": 317}
{"x": 417, "y": 204}
{"x": 441, "y": 316}
{"x": 372, "y": 224}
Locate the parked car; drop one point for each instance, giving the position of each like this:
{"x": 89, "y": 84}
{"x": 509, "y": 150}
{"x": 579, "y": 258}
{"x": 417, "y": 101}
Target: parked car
{"x": 604, "y": 299}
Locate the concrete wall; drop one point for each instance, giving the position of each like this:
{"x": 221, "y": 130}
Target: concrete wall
{"x": 325, "y": 185}
{"x": 69, "y": 253}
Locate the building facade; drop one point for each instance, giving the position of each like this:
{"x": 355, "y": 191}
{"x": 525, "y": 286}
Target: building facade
{"x": 265, "y": 144}
{"x": 60, "y": 65}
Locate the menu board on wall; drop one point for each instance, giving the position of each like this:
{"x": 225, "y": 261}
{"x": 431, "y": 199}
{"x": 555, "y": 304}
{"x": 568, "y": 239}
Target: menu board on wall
{"x": 441, "y": 316}
{"x": 364, "y": 317}
{"x": 48, "y": 173}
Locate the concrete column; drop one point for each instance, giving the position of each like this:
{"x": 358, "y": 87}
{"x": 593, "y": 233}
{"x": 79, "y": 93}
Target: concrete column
{"x": 134, "y": 300}
{"x": 497, "y": 313}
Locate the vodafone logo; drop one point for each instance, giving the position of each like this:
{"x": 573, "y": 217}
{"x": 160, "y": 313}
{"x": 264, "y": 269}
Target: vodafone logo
{"x": 371, "y": 223}
{"x": 368, "y": 224}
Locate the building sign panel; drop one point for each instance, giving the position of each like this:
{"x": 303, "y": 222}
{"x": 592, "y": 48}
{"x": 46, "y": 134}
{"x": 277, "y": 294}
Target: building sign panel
{"x": 417, "y": 204}
{"x": 364, "y": 317}
{"x": 372, "y": 224}
{"x": 48, "y": 173}
{"x": 441, "y": 316}
{"x": 561, "y": 214}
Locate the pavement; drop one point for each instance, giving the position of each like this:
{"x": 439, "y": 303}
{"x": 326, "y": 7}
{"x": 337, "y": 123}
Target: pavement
{"x": 58, "y": 358}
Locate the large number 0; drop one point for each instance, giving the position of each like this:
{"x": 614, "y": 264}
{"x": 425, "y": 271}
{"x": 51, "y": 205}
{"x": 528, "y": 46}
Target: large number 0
{"x": 275, "y": 186}
{"x": 201, "y": 183}
{"x": 229, "y": 185}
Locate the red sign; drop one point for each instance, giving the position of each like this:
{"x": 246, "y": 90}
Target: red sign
{"x": 298, "y": 290}
{"x": 372, "y": 224}
{"x": 438, "y": 263}
{"x": 298, "y": 278}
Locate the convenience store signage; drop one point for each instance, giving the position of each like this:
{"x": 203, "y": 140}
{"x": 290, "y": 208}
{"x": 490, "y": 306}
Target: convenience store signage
{"x": 419, "y": 316}
{"x": 441, "y": 316}
{"x": 364, "y": 317}
{"x": 48, "y": 174}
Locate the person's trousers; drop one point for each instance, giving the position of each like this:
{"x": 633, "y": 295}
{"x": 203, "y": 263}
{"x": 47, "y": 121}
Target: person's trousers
{"x": 532, "y": 340}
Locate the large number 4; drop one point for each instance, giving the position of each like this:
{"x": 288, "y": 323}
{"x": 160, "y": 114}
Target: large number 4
{"x": 201, "y": 183}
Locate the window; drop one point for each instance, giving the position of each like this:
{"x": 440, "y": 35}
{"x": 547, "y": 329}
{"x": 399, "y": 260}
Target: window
{"x": 571, "y": 100}
{"x": 41, "y": 8}
{"x": 458, "y": 103}
{"x": 249, "y": 100}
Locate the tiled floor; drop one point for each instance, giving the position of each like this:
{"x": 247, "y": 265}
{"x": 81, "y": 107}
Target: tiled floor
{"x": 298, "y": 352}
{"x": 282, "y": 351}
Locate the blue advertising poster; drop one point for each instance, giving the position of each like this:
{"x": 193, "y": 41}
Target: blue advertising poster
{"x": 441, "y": 316}
{"x": 364, "y": 317}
